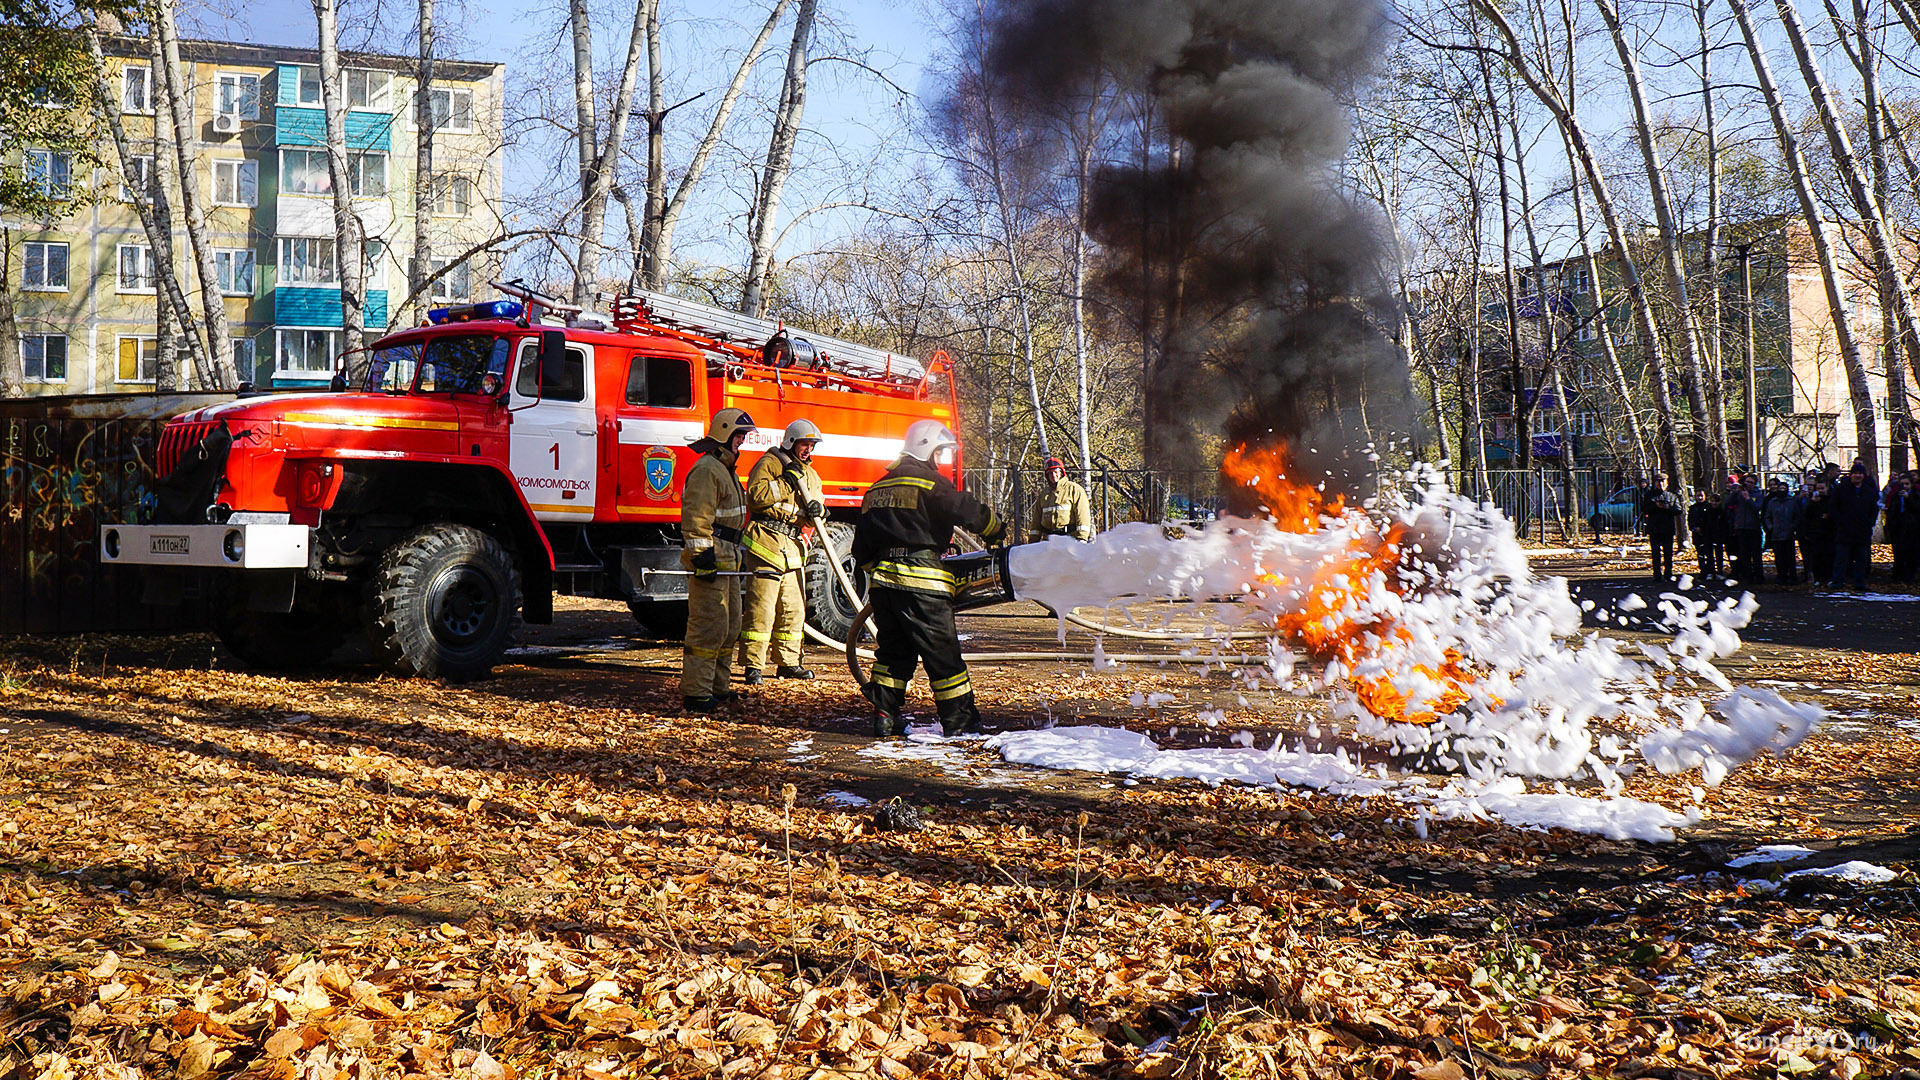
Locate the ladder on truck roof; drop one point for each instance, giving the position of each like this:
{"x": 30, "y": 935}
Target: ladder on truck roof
{"x": 745, "y": 330}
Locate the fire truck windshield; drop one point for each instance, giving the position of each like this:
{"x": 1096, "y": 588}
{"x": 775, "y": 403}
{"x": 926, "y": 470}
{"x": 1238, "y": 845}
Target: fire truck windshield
{"x": 446, "y": 364}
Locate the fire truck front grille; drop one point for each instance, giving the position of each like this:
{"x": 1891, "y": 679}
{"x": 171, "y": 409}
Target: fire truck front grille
{"x": 177, "y": 439}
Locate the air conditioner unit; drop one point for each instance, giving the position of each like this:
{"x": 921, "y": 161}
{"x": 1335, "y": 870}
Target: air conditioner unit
{"x": 227, "y": 122}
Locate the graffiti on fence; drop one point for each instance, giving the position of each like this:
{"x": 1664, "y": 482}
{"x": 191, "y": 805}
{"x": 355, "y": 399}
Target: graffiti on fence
{"x": 62, "y": 478}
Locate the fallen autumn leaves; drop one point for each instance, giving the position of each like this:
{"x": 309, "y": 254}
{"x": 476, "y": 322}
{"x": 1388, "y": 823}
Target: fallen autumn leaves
{"x": 216, "y": 873}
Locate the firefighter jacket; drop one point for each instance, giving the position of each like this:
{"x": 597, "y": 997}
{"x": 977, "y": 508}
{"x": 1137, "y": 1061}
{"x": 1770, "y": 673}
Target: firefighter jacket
{"x": 778, "y": 489}
{"x": 906, "y": 522}
{"x": 713, "y": 507}
{"x": 1065, "y": 510}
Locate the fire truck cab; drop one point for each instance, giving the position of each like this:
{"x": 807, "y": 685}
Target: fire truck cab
{"x": 461, "y": 473}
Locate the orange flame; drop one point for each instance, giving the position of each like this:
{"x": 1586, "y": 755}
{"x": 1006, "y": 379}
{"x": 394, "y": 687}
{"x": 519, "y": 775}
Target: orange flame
{"x": 1321, "y": 620}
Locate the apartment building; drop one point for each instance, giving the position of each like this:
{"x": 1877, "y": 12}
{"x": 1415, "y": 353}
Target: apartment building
{"x": 84, "y": 283}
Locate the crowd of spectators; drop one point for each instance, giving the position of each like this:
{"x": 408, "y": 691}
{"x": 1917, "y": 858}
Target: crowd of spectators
{"x": 1819, "y": 532}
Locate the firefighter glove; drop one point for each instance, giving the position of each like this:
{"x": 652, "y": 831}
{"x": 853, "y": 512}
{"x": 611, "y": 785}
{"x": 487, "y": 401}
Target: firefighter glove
{"x": 996, "y": 535}
{"x": 817, "y": 510}
{"x": 706, "y": 564}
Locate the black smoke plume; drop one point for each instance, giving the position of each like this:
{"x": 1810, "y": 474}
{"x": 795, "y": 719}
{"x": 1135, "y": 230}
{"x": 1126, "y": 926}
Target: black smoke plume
{"x": 1228, "y": 242}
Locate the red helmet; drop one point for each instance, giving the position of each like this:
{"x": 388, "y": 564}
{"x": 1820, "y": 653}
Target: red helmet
{"x": 1054, "y": 461}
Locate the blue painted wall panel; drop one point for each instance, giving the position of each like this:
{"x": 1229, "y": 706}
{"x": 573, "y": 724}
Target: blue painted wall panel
{"x": 308, "y": 127}
{"x": 296, "y": 306}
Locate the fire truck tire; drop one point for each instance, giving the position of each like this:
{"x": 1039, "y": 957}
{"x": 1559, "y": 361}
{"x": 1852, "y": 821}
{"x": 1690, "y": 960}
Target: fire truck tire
{"x": 444, "y": 603}
{"x": 828, "y": 608}
{"x": 275, "y": 640}
{"x": 664, "y": 620}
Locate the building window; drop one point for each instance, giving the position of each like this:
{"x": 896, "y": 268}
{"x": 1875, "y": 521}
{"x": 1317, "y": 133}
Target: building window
{"x": 306, "y": 260}
{"x": 51, "y": 171}
{"x": 452, "y": 196}
{"x": 139, "y": 356}
{"x": 46, "y": 267}
{"x": 236, "y": 182}
{"x": 234, "y": 269}
{"x": 45, "y": 357}
{"x": 136, "y": 88}
{"x": 367, "y": 174}
{"x": 243, "y": 358}
{"x": 238, "y": 95}
{"x": 136, "y": 268}
{"x": 308, "y": 89}
{"x": 455, "y": 284}
{"x": 44, "y": 96}
{"x": 1579, "y": 279}
{"x": 369, "y": 91}
{"x": 304, "y": 172}
{"x": 1586, "y": 330}
{"x": 136, "y": 179}
{"x": 453, "y": 110}
{"x": 305, "y": 352}
{"x": 374, "y": 269}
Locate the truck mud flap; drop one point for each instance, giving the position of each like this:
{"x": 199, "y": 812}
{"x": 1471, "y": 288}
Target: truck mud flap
{"x": 640, "y": 579}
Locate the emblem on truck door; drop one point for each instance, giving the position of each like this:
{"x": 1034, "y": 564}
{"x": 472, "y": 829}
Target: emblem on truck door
{"x": 660, "y": 465}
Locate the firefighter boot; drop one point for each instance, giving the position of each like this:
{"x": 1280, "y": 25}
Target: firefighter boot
{"x": 696, "y": 705}
{"x": 787, "y": 671}
{"x": 750, "y": 677}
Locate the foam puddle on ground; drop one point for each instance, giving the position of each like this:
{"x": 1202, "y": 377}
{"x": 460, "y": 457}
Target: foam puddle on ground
{"x": 1417, "y": 617}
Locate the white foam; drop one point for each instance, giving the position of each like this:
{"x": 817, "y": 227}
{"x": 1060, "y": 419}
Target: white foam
{"x": 1767, "y": 853}
{"x": 1865, "y": 873}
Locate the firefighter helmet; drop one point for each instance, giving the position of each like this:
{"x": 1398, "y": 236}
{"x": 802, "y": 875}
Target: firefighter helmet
{"x": 927, "y": 438}
{"x": 727, "y": 423}
{"x": 799, "y": 431}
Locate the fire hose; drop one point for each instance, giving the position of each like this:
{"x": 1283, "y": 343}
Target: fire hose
{"x": 861, "y": 621}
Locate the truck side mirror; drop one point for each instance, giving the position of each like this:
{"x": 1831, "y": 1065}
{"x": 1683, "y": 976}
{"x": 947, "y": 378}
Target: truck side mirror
{"x": 553, "y": 353}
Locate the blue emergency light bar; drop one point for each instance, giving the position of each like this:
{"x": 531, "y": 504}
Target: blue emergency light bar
{"x": 491, "y": 309}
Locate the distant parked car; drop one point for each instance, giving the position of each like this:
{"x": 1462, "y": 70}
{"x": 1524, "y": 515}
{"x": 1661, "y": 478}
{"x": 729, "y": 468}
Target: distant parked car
{"x": 1619, "y": 513}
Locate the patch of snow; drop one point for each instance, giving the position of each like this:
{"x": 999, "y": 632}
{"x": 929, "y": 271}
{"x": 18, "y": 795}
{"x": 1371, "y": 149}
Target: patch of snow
{"x": 1767, "y": 853}
{"x": 846, "y": 798}
{"x": 801, "y": 750}
{"x": 1884, "y": 598}
{"x": 1865, "y": 873}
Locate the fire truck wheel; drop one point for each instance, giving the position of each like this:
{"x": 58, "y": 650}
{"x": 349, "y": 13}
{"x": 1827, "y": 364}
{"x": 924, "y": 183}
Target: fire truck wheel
{"x": 275, "y": 640}
{"x": 665, "y": 620}
{"x": 828, "y": 608}
{"x": 445, "y": 603}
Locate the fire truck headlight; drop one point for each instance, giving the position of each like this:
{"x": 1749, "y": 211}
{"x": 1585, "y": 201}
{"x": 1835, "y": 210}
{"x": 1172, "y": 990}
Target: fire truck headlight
{"x": 112, "y": 543}
{"x": 315, "y": 484}
{"x": 235, "y": 545}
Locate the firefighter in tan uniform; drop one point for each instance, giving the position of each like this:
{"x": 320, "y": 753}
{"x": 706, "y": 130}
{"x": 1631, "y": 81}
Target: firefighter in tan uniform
{"x": 713, "y": 512}
{"x": 1064, "y": 508}
{"x": 783, "y": 494}
{"x": 906, "y": 522}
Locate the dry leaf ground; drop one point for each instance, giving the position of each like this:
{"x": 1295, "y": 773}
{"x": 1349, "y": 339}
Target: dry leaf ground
{"x": 210, "y": 872}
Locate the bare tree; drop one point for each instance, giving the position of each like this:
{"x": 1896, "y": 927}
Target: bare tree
{"x": 170, "y": 84}
{"x": 779, "y": 161}
{"x": 425, "y": 184}
{"x": 349, "y": 243}
{"x": 1841, "y": 318}
{"x": 598, "y": 157}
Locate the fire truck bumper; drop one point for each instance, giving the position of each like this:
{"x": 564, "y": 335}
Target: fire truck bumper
{"x": 237, "y": 547}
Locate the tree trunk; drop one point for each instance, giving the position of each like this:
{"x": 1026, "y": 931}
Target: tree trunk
{"x": 657, "y": 246}
{"x": 773, "y": 174}
{"x": 1710, "y": 444}
{"x": 1596, "y": 178}
{"x": 155, "y": 218}
{"x": 599, "y": 160}
{"x": 1816, "y": 227}
{"x": 1088, "y": 139}
{"x": 171, "y": 87}
{"x": 349, "y": 244}
{"x": 13, "y": 367}
{"x": 1902, "y": 344}
{"x": 424, "y": 183}
{"x": 1714, "y": 336}
{"x": 1521, "y": 453}
{"x": 1886, "y": 266}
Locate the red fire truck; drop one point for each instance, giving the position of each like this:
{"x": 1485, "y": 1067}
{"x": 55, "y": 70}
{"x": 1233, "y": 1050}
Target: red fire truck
{"x": 461, "y": 473}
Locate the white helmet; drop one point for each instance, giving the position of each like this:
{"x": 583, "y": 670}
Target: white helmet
{"x": 727, "y": 422}
{"x": 926, "y": 438}
{"x": 798, "y": 431}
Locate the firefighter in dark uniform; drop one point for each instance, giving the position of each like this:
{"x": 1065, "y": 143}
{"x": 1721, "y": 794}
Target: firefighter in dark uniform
{"x": 906, "y": 522}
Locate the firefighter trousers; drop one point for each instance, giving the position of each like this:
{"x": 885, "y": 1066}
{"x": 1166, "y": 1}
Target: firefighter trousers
{"x": 914, "y": 627}
{"x": 775, "y": 610}
{"x": 713, "y": 625}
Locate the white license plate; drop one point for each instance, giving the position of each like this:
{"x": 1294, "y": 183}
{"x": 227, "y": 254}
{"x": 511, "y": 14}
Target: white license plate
{"x": 168, "y": 545}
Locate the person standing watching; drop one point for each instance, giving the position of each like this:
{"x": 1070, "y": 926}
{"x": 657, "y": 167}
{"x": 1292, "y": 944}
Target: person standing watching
{"x": 1703, "y": 521}
{"x": 1064, "y": 508}
{"x": 783, "y": 495}
{"x": 1743, "y": 521}
{"x": 906, "y": 522}
{"x": 1660, "y": 512}
{"x": 713, "y": 511}
{"x": 1856, "y": 505}
{"x": 1903, "y": 529}
{"x": 1780, "y": 516}
{"x": 1817, "y": 527}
